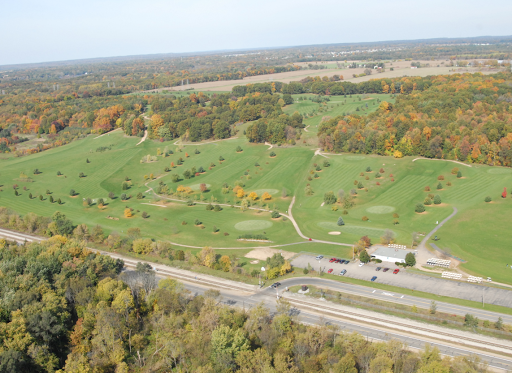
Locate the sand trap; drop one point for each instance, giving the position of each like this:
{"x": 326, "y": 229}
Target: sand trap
{"x": 335, "y": 233}
{"x": 267, "y": 252}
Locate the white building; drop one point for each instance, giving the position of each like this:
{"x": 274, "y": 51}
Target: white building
{"x": 389, "y": 254}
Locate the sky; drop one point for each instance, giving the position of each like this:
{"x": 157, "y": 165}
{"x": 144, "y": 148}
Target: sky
{"x": 56, "y": 30}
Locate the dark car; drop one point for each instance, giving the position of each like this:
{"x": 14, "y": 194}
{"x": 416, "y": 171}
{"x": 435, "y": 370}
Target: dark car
{"x": 347, "y": 261}
{"x": 275, "y": 285}
{"x": 378, "y": 268}
{"x": 374, "y": 278}
{"x": 385, "y": 270}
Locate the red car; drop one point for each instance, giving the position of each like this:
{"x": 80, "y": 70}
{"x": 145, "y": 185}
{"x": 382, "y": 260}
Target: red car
{"x": 329, "y": 271}
{"x": 396, "y": 271}
{"x": 332, "y": 260}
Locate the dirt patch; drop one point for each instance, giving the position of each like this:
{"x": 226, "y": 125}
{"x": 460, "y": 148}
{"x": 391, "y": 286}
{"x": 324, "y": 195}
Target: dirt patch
{"x": 266, "y": 252}
{"x": 335, "y": 233}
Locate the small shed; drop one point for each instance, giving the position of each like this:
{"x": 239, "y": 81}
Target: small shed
{"x": 389, "y": 254}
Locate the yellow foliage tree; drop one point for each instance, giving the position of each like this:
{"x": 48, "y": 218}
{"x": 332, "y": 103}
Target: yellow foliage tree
{"x": 127, "y": 213}
{"x": 225, "y": 262}
{"x": 397, "y": 154}
{"x": 240, "y": 193}
{"x": 285, "y": 268}
{"x": 266, "y": 196}
{"x": 253, "y": 196}
{"x": 207, "y": 256}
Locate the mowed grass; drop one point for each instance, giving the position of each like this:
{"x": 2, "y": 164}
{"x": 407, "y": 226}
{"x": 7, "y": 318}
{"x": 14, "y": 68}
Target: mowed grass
{"x": 478, "y": 234}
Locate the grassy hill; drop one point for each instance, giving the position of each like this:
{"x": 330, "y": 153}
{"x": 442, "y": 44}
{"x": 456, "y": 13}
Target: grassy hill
{"x": 477, "y": 234}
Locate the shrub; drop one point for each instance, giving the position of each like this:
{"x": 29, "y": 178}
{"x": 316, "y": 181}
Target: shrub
{"x": 365, "y": 218}
{"x": 427, "y": 189}
{"x": 340, "y": 221}
{"x": 326, "y": 163}
{"x": 334, "y": 208}
{"x": 427, "y": 201}
{"x": 381, "y": 170}
{"x": 316, "y": 176}
{"x": 396, "y": 216}
{"x": 419, "y": 208}
{"x": 459, "y": 175}
{"x": 439, "y": 186}
{"x": 377, "y": 175}
{"x": 488, "y": 199}
{"x": 221, "y": 158}
{"x": 440, "y": 177}
{"x": 183, "y": 222}
{"x": 209, "y": 207}
{"x": 72, "y": 192}
{"x": 448, "y": 183}
{"x": 437, "y": 199}
{"x": 197, "y": 222}
{"x": 455, "y": 170}
{"x": 305, "y": 271}
{"x": 360, "y": 185}
{"x": 239, "y": 149}
{"x": 123, "y": 197}
{"x": 139, "y": 195}
{"x": 144, "y": 215}
{"x": 368, "y": 169}
{"x": 272, "y": 154}
{"x": 217, "y": 208}
{"x": 59, "y": 173}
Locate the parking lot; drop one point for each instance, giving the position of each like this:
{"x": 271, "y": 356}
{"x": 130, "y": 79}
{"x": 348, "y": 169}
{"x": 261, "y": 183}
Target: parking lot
{"x": 414, "y": 281}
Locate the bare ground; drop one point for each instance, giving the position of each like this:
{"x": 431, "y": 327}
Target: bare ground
{"x": 262, "y": 253}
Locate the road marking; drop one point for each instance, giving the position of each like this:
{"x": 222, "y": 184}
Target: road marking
{"x": 374, "y": 291}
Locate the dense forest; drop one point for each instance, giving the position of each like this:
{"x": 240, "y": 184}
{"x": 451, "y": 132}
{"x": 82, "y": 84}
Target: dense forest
{"x": 200, "y": 117}
{"x": 64, "y": 307}
{"x": 466, "y": 117}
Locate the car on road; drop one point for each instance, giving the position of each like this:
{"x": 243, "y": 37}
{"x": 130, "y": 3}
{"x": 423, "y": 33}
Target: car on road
{"x": 275, "y": 285}
{"x": 378, "y": 268}
{"x": 361, "y": 264}
{"x": 396, "y": 271}
{"x": 374, "y": 278}
{"x": 329, "y": 271}
{"x": 343, "y": 272}
{"x": 385, "y": 270}
{"x": 319, "y": 257}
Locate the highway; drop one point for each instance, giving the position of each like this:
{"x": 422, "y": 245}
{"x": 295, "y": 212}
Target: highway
{"x": 312, "y": 312}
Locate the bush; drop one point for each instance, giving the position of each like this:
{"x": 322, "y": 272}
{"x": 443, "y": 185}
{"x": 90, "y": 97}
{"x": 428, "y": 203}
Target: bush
{"x": 72, "y": 192}
{"x": 272, "y": 154}
{"x": 455, "y": 170}
{"x": 144, "y": 215}
{"x": 439, "y": 186}
{"x": 488, "y": 199}
{"x": 329, "y": 198}
{"x": 197, "y": 222}
{"x": 440, "y": 177}
{"x": 345, "y": 212}
{"x": 209, "y": 207}
{"x": 221, "y": 158}
{"x": 340, "y": 221}
{"x": 427, "y": 201}
{"x": 305, "y": 271}
{"x": 360, "y": 185}
{"x": 459, "y": 175}
{"x": 123, "y": 197}
{"x": 316, "y": 176}
{"x": 365, "y": 218}
{"x": 368, "y": 169}
{"x": 377, "y": 175}
{"x": 437, "y": 199}
{"x": 448, "y": 183}
{"x": 326, "y": 163}
{"x": 427, "y": 189}
{"x": 239, "y": 149}
{"x": 275, "y": 214}
{"x": 419, "y": 208}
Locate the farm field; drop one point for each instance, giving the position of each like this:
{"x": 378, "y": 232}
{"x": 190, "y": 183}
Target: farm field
{"x": 477, "y": 234}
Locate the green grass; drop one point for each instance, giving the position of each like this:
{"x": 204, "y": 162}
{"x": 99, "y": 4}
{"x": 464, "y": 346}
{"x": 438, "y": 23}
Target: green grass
{"x": 479, "y": 233}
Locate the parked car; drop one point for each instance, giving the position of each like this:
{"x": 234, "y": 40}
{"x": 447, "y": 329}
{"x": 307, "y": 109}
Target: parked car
{"x": 347, "y": 261}
{"x": 341, "y": 261}
{"x": 329, "y": 271}
{"x": 319, "y": 257}
{"x": 343, "y": 272}
{"x": 396, "y": 271}
{"x": 378, "y": 268}
{"x": 385, "y": 270}
{"x": 361, "y": 264}
{"x": 332, "y": 260}
{"x": 374, "y": 278}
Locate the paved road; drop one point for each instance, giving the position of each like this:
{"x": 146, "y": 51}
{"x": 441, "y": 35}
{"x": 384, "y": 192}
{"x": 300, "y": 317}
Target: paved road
{"x": 242, "y": 294}
{"x": 267, "y": 297}
{"x": 413, "y": 281}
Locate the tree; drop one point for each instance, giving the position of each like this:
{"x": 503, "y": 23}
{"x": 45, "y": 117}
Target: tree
{"x": 471, "y": 321}
{"x": 499, "y": 323}
{"x": 111, "y": 195}
{"x": 253, "y": 196}
{"x": 240, "y": 193}
{"x": 364, "y": 257}
{"x": 340, "y": 221}
{"x": 203, "y": 187}
{"x": 127, "y": 213}
{"x": 433, "y": 307}
{"x": 239, "y": 149}
{"x": 419, "y": 208}
{"x": 139, "y": 195}
{"x": 72, "y": 192}
{"x": 437, "y": 199}
{"x": 97, "y": 234}
{"x": 144, "y": 215}
{"x": 266, "y": 196}
{"x": 329, "y": 198}
{"x": 123, "y": 197}
{"x": 81, "y": 175}
{"x": 207, "y": 256}
{"x": 40, "y": 197}
{"x": 272, "y": 154}
{"x": 427, "y": 201}
{"x": 410, "y": 259}
{"x": 368, "y": 169}
{"x": 16, "y": 194}
{"x": 488, "y": 199}
{"x": 225, "y": 262}
{"x": 360, "y": 185}
{"x": 30, "y": 196}
{"x": 439, "y": 186}
{"x": 275, "y": 214}
{"x": 504, "y": 194}
{"x": 221, "y": 158}
{"x": 459, "y": 174}
{"x": 63, "y": 225}
{"x": 125, "y": 185}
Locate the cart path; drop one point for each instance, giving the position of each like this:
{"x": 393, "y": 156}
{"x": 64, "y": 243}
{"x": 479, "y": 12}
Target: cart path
{"x": 447, "y": 160}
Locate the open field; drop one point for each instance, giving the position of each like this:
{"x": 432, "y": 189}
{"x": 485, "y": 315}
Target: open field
{"x": 401, "y": 68}
{"x": 478, "y": 234}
